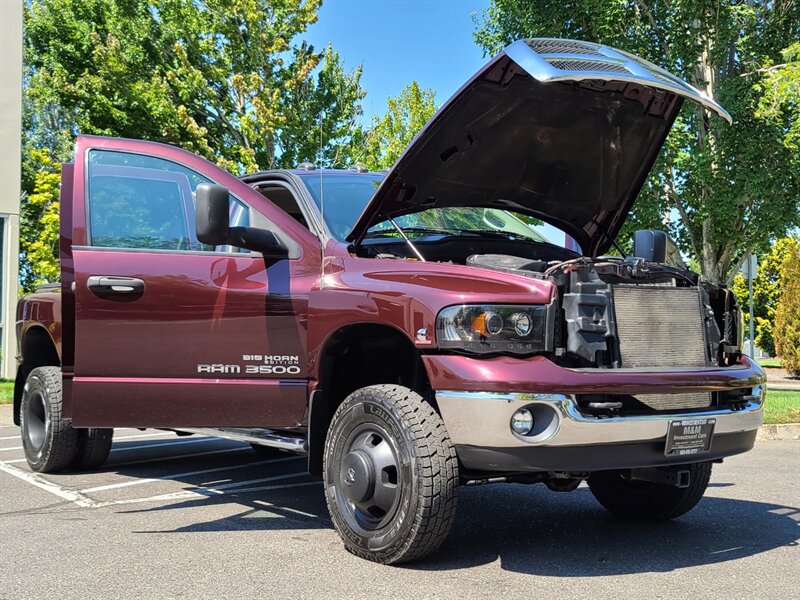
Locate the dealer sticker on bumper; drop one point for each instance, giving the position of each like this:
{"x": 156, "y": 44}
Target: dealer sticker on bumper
{"x": 689, "y": 436}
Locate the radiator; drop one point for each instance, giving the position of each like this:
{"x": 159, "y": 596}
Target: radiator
{"x": 661, "y": 326}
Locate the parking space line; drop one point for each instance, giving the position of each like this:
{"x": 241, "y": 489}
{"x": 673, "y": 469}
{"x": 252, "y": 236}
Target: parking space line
{"x": 165, "y": 444}
{"x": 143, "y": 461}
{"x": 219, "y": 489}
{"x": 123, "y": 484}
{"x": 198, "y": 493}
{"x": 37, "y": 480}
{"x": 124, "y": 437}
{"x": 286, "y": 508}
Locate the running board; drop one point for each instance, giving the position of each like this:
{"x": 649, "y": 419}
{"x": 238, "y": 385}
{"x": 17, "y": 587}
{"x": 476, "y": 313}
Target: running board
{"x": 262, "y": 437}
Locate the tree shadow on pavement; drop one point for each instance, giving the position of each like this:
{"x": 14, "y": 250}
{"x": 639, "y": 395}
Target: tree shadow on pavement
{"x": 569, "y": 535}
{"x": 527, "y": 527}
{"x": 298, "y": 508}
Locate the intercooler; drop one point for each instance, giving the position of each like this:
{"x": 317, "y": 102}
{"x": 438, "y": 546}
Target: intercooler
{"x": 661, "y": 327}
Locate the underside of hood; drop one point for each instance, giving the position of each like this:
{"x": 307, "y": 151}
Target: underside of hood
{"x": 562, "y": 130}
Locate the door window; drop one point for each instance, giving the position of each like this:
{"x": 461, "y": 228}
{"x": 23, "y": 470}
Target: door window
{"x": 143, "y": 202}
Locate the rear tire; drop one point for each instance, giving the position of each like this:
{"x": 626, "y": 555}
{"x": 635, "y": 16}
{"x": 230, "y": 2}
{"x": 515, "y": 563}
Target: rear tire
{"x": 648, "y": 501}
{"x": 49, "y": 441}
{"x": 94, "y": 446}
{"x": 391, "y": 475}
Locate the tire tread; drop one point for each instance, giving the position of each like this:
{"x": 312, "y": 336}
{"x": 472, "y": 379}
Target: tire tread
{"x": 61, "y": 449}
{"x": 437, "y": 474}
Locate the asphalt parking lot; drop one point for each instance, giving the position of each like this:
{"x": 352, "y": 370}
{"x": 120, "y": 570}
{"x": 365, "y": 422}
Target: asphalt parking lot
{"x": 206, "y": 518}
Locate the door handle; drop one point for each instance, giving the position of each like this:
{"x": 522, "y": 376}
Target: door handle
{"x": 109, "y": 284}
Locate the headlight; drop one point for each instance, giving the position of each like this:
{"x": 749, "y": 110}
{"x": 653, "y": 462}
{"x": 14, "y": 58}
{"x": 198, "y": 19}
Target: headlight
{"x": 517, "y": 329}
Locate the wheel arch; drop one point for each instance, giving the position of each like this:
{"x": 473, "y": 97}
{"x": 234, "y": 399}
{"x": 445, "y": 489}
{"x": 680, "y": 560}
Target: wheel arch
{"x": 355, "y": 356}
{"x": 37, "y": 349}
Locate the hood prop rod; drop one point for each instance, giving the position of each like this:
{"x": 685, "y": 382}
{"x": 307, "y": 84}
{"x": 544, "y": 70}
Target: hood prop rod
{"x": 408, "y": 241}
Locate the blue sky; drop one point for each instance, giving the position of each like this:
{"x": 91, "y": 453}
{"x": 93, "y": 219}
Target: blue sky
{"x": 398, "y": 41}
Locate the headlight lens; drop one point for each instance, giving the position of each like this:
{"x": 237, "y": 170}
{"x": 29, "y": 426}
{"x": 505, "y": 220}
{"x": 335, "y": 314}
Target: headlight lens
{"x": 517, "y": 329}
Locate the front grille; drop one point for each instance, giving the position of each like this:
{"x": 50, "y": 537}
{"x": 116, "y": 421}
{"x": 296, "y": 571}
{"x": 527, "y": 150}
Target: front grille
{"x": 641, "y": 404}
{"x": 675, "y": 401}
{"x": 659, "y": 326}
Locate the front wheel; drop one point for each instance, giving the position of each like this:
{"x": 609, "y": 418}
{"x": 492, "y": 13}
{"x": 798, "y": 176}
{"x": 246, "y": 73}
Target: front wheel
{"x": 390, "y": 474}
{"x": 49, "y": 441}
{"x": 646, "y": 500}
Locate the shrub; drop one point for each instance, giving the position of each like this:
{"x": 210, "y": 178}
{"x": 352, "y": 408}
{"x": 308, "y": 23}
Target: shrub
{"x": 787, "y": 315}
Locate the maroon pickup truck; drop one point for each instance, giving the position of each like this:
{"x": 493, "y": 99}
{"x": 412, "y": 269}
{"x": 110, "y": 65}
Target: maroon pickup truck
{"x": 411, "y": 332}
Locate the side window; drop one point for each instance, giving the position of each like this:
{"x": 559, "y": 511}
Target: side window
{"x": 143, "y": 202}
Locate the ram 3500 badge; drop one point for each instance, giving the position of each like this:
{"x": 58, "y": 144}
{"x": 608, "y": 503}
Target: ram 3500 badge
{"x": 416, "y": 333}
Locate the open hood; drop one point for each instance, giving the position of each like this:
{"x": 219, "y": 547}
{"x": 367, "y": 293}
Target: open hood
{"x": 563, "y": 130}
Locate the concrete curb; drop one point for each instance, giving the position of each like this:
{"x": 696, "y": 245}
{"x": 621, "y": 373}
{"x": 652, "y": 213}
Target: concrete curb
{"x": 787, "y": 431}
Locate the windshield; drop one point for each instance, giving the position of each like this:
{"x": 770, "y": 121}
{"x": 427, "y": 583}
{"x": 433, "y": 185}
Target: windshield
{"x": 342, "y": 197}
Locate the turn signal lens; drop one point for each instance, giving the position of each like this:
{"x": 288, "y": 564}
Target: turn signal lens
{"x": 487, "y": 324}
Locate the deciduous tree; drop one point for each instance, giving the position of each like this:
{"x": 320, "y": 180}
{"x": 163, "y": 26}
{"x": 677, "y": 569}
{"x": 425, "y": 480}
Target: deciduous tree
{"x": 729, "y": 190}
{"x": 787, "y": 316}
{"x": 767, "y": 286}
{"x": 390, "y": 134}
{"x": 38, "y": 239}
{"x": 230, "y": 80}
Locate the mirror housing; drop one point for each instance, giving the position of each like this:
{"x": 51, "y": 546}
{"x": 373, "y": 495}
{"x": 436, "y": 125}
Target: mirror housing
{"x": 212, "y": 223}
{"x": 651, "y": 245}
{"x": 212, "y": 214}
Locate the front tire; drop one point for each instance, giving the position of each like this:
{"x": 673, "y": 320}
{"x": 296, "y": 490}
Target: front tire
{"x": 391, "y": 475}
{"x": 649, "y": 501}
{"x": 49, "y": 441}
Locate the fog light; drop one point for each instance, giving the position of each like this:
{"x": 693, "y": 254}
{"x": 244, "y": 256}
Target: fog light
{"x": 522, "y": 421}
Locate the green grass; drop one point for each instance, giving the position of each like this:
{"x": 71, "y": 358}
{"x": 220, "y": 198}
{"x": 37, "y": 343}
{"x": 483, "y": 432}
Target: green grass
{"x": 782, "y": 406}
{"x": 6, "y": 391}
{"x": 770, "y": 362}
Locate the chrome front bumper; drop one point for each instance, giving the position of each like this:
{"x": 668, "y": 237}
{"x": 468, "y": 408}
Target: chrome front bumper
{"x": 479, "y": 424}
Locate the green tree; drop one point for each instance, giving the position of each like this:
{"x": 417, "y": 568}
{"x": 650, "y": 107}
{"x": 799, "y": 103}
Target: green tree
{"x": 390, "y": 134}
{"x": 767, "y": 286}
{"x": 227, "y": 79}
{"x": 780, "y": 101}
{"x": 732, "y": 188}
{"x": 787, "y": 316}
{"x": 38, "y": 240}
{"x": 223, "y": 78}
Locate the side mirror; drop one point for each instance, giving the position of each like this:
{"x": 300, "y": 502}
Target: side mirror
{"x": 651, "y": 245}
{"x": 212, "y": 222}
{"x": 212, "y": 214}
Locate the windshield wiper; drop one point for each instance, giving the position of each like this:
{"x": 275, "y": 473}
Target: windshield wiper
{"x": 498, "y": 233}
{"x": 423, "y": 230}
